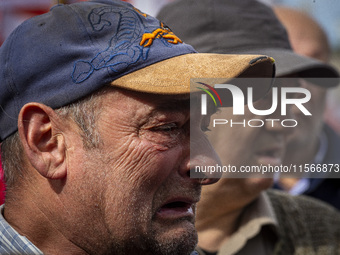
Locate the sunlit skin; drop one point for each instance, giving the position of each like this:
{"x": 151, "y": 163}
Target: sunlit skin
{"x": 133, "y": 194}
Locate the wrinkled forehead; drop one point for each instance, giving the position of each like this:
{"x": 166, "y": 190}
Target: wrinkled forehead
{"x": 151, "y": 103}
{"x": 160, "y": 101}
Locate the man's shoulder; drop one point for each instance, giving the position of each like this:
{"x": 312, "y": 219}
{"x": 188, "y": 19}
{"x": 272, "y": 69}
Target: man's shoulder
{"x": 296, "y": 205}
{"x": 305, "y": 224}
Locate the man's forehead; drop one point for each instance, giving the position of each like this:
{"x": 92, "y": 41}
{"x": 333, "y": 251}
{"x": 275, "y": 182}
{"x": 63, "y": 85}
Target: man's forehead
{"x": 155, "y": 102}
{"x": 172, "y": 102}
{"x": 159, "y": 105}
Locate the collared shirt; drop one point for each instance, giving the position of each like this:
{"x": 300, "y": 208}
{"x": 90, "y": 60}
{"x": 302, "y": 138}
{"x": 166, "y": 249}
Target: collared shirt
{"x": 11, "y": 242}
{"x": 256, "y": 233}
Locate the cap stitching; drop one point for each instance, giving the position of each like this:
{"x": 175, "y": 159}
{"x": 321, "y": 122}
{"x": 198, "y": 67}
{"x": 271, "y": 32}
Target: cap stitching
{"x": 83, "y": 69}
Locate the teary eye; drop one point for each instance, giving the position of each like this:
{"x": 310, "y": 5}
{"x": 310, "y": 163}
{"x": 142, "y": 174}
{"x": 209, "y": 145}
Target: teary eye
{"x": 165, "y": 128}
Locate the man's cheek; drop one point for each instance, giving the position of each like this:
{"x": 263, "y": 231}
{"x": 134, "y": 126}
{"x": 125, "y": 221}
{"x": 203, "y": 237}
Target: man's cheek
{"x": 162, "y": 140}
{"x": 143, "y": 162}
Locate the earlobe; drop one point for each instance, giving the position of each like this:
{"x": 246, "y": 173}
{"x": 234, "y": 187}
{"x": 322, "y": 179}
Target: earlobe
{"x": 42, "y": 141}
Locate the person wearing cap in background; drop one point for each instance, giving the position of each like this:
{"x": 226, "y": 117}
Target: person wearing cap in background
{"x": 243, "y": 216}
{"x": 94, "y": 126}
{"x": 312, "y": 141}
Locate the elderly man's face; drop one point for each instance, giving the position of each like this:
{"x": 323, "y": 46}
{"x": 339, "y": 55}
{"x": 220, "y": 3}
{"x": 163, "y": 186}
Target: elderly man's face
{"x": 306, "y": 134}
{"x": 135, "y": 190}
{"x": 243, "y": 145}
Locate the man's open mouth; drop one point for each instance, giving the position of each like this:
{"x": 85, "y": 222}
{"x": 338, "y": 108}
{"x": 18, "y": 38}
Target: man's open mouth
{"x": 176, "y": 209}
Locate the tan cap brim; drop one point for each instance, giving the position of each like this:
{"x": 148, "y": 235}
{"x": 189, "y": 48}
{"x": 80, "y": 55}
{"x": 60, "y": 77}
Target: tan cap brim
{"x": 172, "y": 76}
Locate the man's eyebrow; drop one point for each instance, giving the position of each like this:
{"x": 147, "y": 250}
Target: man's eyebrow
{"x": 173, "y": 105}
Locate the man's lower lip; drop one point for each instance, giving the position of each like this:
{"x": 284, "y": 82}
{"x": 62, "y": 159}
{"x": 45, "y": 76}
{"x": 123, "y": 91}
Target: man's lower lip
{"x": 267, "y": 160}
{"x": 174, "y": 213}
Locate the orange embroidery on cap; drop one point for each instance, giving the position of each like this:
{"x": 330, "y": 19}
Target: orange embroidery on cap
{"x": 163, "y": 32}
{"x": 141, "y": 13}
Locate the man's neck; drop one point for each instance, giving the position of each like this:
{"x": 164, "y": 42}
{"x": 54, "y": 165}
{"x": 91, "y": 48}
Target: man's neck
{"x": 30, "y": 221}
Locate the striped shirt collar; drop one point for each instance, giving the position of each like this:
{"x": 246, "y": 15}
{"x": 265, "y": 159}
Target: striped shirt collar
{"x": 11, "y": 242}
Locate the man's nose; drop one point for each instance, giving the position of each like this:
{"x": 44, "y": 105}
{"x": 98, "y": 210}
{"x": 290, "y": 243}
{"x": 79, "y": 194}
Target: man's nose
{"x": 201, "y": 160}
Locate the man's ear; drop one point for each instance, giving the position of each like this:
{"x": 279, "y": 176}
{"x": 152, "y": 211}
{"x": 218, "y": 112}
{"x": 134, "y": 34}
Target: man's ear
{"x": 42, "y": 141}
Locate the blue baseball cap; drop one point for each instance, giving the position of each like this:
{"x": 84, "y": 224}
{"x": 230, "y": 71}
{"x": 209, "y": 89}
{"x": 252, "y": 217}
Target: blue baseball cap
{"x": 72, "y": 51}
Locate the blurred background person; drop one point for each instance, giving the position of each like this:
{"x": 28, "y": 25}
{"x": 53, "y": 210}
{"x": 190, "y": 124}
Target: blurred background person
{"x": 240, "y": 215}
{"x": 313, "y": 141}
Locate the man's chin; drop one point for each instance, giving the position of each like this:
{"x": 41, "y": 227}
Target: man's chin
{"x": 180, "y": 239}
